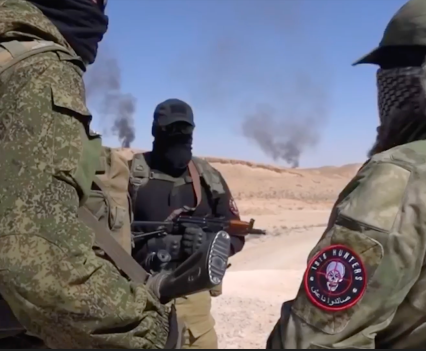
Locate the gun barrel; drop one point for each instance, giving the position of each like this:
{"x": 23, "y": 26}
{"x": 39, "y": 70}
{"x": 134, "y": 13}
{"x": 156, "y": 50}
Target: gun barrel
{"x": 138, "y": 224}
{"x": 258, "y": 231}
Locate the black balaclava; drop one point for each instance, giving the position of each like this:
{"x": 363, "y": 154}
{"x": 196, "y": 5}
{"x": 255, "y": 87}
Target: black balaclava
{"x": 172, "y": 131}
{"x": 82, "y": 23}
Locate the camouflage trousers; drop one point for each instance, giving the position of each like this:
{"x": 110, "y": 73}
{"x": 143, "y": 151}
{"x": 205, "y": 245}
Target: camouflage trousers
{"x": 195, "y": 312}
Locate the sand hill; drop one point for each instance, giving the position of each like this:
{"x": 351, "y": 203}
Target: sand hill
{"x": 293, "y": 205}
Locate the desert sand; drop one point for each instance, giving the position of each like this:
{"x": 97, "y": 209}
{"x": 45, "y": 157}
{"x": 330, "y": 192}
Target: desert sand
{"x": 293, "y": 205}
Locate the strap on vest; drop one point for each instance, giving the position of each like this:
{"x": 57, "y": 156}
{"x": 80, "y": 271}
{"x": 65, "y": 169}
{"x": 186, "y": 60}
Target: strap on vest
{"x": 113, "y": 249}
{"x": 177, "y": 182}
{"x": 196, "y": 183}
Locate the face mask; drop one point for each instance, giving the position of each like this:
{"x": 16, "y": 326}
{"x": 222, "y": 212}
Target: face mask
{"x": 172, "y": 153}
{"x": 397, "y": 88}
{"x": 81, "y": 22}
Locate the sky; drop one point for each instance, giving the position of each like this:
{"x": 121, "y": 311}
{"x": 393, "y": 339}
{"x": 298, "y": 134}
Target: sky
{"x": 278, "y": 71}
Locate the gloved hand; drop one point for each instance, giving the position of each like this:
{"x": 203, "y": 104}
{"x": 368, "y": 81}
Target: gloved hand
{"x": 192, "y": 240}
{"x": 169, "y": 243}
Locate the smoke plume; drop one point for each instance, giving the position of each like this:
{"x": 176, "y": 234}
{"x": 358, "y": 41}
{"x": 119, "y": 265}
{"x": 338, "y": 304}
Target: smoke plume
{"x": 104, "y": 92}
{"x": 283, "y": 107}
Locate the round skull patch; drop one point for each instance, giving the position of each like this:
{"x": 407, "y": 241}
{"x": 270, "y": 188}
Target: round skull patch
{"x": 335, "y": 279}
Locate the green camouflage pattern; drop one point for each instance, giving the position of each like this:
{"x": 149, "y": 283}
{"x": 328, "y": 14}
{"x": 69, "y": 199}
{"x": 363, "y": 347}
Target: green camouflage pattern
{"x": 57, "y": 287}
{"x": 380, "y": 215}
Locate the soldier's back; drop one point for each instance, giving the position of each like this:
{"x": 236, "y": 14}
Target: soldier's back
{"x": 407, "y": 325}
{"x": 375, "y": 242}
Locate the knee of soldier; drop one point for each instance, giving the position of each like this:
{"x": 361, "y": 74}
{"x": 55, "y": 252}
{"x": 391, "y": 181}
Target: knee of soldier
{"x": 201, "y": 337}
{"x": 195, "y": 311}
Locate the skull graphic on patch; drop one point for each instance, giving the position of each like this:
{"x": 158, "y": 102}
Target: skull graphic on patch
{"x": 335, "y": 274}
{"x": 335, "y": 279}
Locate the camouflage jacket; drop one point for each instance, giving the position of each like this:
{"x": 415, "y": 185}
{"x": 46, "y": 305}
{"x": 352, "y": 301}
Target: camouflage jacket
{"x": 364, "y": 287}
{"x": 56, "y": 286}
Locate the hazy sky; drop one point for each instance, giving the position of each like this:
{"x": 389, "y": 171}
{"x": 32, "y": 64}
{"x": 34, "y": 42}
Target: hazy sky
{"x": 287, "y": 62}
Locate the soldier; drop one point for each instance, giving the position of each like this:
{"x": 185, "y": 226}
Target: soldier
{"x": 55, "y": 285}
{"x": 168, "y": 179}
{"x": 364, "y": 286}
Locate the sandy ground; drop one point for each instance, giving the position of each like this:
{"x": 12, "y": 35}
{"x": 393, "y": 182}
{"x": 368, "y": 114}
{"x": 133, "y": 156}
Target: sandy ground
{"x": 261, "y": 278}
{"x": 293, "y": 205}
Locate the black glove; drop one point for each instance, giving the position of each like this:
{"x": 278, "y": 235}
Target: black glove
{"x": 193, "y": 239}
{"x": 169, "y": 243}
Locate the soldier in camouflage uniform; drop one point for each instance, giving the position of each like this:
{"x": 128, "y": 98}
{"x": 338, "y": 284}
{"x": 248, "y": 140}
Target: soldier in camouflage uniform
{"x": 56, "y": 286}
{"x": 364, "y": 286}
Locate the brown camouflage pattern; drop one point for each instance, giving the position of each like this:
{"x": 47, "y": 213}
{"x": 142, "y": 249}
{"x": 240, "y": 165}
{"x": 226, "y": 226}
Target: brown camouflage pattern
{"x": 49, "y": 274}
{"x": 380, "y": 215}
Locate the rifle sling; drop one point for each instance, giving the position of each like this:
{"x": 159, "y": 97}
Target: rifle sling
{"x": 193, "y": 172}
{"x": 113, "y": 249}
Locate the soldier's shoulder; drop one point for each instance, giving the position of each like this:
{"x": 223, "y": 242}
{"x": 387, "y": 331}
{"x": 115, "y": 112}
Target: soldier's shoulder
{"x": 50, "y": 67}
{"x": 204, "y": 165}
{"x": 385, "y": 178}
{"x": 411, "y": 155}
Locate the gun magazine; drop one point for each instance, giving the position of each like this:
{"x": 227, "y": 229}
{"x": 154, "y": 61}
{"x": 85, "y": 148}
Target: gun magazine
{"x": 218, "y": 259}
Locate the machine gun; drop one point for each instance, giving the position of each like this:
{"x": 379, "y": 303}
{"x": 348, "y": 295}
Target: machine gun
{"x": 212, "y": 225}
{"x": 201, "y": 271}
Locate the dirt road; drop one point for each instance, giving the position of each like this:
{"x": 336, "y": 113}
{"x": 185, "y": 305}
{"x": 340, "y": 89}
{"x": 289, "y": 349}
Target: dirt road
{"x": 261, "y": 277}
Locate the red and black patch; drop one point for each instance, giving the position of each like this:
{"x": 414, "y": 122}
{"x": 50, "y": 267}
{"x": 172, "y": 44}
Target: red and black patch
{"x": 233, "y": 207}
{"x": 335, "y": 279}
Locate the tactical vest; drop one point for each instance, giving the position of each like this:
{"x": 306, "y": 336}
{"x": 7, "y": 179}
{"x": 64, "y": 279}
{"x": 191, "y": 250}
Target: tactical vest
{"x": 141, "y": 173}
{"x": 107, "y": 211}
{"x": 199, "y": 169}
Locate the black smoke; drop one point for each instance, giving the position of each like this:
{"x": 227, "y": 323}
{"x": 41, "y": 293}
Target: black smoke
{"x": 285, "y": 107}
{"x": 104, "y": 92}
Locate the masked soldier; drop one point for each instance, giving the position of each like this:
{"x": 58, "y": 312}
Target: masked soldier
{"x": 167, "y": 180}
{"x": 364, "y": 286}
{"x": 60, "y": 292}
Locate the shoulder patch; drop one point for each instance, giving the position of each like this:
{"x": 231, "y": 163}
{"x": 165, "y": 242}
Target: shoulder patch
{"x": 335, "y": 279}
{"x": 233, "y": 207}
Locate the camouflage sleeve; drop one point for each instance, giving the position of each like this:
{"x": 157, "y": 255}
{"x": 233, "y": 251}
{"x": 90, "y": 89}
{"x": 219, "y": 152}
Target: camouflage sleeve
{"x": 57, "y": 287}
{"x": 363, "y": 267}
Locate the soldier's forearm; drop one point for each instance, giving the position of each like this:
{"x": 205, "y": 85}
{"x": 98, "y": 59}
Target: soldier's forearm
{"x": 78, "y": 301}
{"x": 61, "y": 291}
